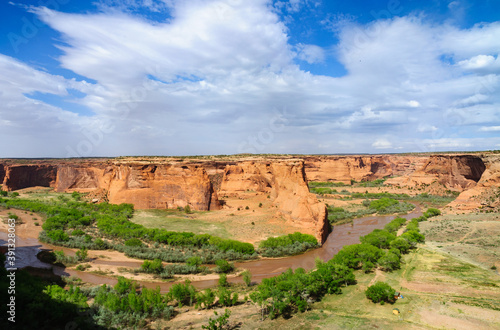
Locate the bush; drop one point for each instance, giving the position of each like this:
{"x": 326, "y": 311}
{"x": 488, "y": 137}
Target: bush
{"x": 194, "y": 261}
{"x": 400, "y": 244}
{"x": 223, "y": 280}
{"x": 205, "y": 299}
{"x": 380, "y": 292}
{"x": 218, "y": 322}
{"x": 379, "y": 238}
{"x": 155, "y": 266}
{"x": 223, "y": 266}
{"x": 390, "y": 261}
{"x": 432, "y": 212}
{"x": 184, "y": 294}
{"x": 133, "y": 242}
{"x": 247, "y": 277}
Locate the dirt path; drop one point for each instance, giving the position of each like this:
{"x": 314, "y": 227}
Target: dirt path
{"x": 378, "y": 274}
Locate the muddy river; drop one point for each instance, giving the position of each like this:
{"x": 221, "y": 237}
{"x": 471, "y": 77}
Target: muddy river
{"x": 346, "y": 234}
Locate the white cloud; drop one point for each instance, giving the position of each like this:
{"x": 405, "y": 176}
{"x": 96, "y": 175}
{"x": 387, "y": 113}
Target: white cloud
{"x": 382, "y": 144}
{"x": 310, "y": 53}
{"x": 490, "y": 129}
{"x": 211, "y": 77}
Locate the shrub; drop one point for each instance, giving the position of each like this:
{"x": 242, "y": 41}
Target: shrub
{"x": 133, "y": 242}
{"x": 77, "y": 232}
{"x": 187, "y": 209}
{"x": 15, "y": 194}
{"x": 223, "y": 280}
{"x": 194, "y": 261}
{"x": 218, "y": 322}
{"x": 400, "y": 244}
{"x": 247, "y": 277}
{"x": 390, "y": 261}
{"x": 205, "y": 299}
{"x": 379, "y": 238}
{"x": 58, "y": 235}
{"x": 184, "y": 294}
{"x": 432, "y": 212}
{"x": 82, "y": 254}
{"x": 380, "y": 292}
{"x": 3, "y": 193}
{"x": 223, "y": 266}
{"x": 154, "y": 266}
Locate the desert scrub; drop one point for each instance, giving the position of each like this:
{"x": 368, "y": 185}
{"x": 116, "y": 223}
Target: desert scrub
{"x": 290, "y": 244}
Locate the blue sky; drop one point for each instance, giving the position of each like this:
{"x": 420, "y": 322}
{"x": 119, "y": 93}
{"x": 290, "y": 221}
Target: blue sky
{"x": 171, "y": 77}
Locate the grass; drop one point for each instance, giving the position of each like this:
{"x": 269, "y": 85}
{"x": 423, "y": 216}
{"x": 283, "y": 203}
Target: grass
{"x": 352, "y": 310}
{"x": 178, "y": 221}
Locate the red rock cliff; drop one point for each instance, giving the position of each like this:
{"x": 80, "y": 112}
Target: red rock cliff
{"x": 24, "y": 176}
{"x": 454, "y": 172}
{"x": 146, "y": 186}
{"x": 2, "y": 172}
{"x": 358, "y": 168}
{"x": 285, "y": 182}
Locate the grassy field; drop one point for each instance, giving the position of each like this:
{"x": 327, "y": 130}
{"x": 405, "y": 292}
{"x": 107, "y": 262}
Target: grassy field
{"x": 472, "y": 237}
{"x": 178, "y": 221}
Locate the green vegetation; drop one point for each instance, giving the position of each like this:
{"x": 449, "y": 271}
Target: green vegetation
{"x": 217, "y": 323}
{"x": 247, "y": 277}
{"x": 292, "y": 291}
{"x": 290, "y": 244}
{"x": 380, "y": 292}
{"x": 112, "y": 222}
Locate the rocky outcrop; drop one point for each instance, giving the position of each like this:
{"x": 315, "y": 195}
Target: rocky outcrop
{"x": 358, "y": 168}
{"x": 25, "y": 176}
{"x": 163, "y": 186}
{"x": 152, "y": 186}
{"x": 2, "y": 172}
{"x": 453, "y": 172}
{"x": 286, "y": 185}
{"x": 486, "y": 193}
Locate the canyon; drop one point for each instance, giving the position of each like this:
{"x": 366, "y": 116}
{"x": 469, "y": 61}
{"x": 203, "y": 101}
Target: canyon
{"x": 202, "y": 182}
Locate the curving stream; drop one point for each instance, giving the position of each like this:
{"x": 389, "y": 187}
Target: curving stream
{"x": 346, "y": 234}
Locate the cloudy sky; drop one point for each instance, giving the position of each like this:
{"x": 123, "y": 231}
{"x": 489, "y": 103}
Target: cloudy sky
{"x": 191, "y": 77}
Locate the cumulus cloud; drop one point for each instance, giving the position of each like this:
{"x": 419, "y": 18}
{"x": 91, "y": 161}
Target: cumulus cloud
{"x": 214, "y": 77}
{"x": 382, "y": 144}
{"x": 310, "y": 53}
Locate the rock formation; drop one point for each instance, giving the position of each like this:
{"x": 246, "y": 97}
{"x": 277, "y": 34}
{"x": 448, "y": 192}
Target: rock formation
{"x": 486, "y": 193}
{"x": 454, "y": 172}
{"x": 146, "y": 186}
{"x": 286, "y": 185}
{"x": 358, "y": 168}
{"x": 24, "y": 176}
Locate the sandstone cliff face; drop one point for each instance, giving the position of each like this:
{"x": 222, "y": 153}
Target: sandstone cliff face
{"x": 163, "y": 186}
{"x": 454, "y": 172}
{"x": 358, "y": 168}
{"x": 285, "y": 182}
{"x": 485, "y": 193}
{"x": 24, "y": 176}
{"x": 2, "y": 172}
{"x": 146, "y": 186}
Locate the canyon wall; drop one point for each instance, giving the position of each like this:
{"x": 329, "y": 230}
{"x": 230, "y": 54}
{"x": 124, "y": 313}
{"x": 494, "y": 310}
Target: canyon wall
{"x": 25, "y": 176}
{"x": 286, "y": 185}
{"x": 148, "y": 186}
{"x": 359, "y": 168}
{"x": 486, "y": 193}
{"x": 2, "y": 172}
{"x": 453, "y": 172}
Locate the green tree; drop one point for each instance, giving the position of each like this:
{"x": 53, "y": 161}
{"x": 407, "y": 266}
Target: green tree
{"x": 389, "y": 261}
{"x": 247, "y": 277}
{"x": 379, "y": 292}
{"x": 400, "y": 244}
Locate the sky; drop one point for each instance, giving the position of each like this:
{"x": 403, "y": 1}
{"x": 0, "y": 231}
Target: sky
{"x": 201, "y": 77}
